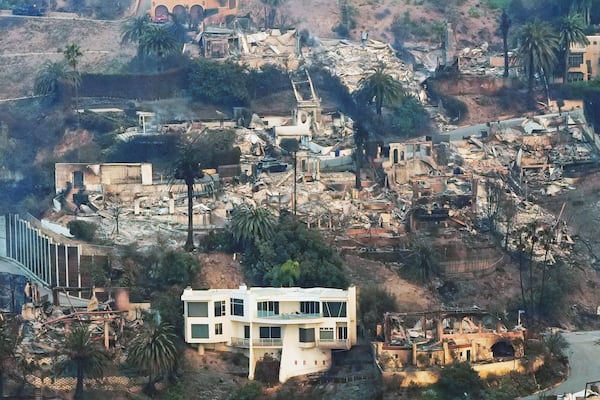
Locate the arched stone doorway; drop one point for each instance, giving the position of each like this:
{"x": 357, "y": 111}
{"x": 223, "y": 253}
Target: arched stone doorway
{"x": 161, "y": 13}
{"x": 503, "y": 349}
{"x": 196, "y": 16}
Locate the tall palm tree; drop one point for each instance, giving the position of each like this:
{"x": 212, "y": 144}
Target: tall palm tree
{"x": 537, "y": 52}
{"x": 51, "y": 76}
{"x": 381, "y": 87}
{"x": 72, "y": 54}
{"x": 249, "y": 224}
{"x": 571, "y": 32}
{"x": 153, "y": 352}
{"x": 188, "y": 169}
{"x": 158, "y": 42}
{"x": 86, "y": 356}
{"x": 505, "y": 24}
{"x": 133, "y": 29}
{"x": 271, "y": 7}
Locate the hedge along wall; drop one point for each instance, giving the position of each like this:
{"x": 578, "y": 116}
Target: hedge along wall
{"x": 134, "y": 86}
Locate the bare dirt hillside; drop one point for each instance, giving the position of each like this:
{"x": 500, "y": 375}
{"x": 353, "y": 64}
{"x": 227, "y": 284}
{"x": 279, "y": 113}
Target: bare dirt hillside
{"x": 26, "y": 43}
{"x": 473, "y": 22}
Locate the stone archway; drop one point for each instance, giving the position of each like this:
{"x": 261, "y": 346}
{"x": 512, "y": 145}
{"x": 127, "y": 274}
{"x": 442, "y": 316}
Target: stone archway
{"x": 196, "y": 16}
{"x": 503, "y": 349}
{"x": 161, "y": 13}
{"x": 179, "y": 10}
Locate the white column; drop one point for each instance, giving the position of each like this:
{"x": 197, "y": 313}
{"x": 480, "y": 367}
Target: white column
{"x": 66, "y": 265}
{"x": 79, "y": 268}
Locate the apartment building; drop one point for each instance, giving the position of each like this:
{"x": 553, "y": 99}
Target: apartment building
{"x": 584, "y": 60}
{"x": 299, "y": 327}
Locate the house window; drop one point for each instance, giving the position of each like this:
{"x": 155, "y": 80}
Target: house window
{"x": 575, "y": 60}
{"x": 309, "y": 307}
{"x": 326, "y": 334}
{"x": 246, "y": 331}
{"x": 575, "y": 76}
{"x": 270, "y": 332}
{"x": 198, "y": 309}
{"x": 200, "y": 331}
{"x": 267, "y": 308}
{"x": 307, "y": 335}
{"x": 237, "y": 307}
{"x": 232, "y": 4}
{"x": 219, "y": 329}
{"x": 334, "y": 309}
{"x": 342, "y": 332}
{"x": 219, "y": 308}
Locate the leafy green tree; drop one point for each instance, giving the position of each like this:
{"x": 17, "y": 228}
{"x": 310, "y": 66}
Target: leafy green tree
{"x": 571, "y": 32}
{"x": 409, "y": 118}
{"x": 250, "y": 224}
{"x": 51, "y": 76}
{"x": 188, "y": 169}
{"x": 153, "y": 352}
{"x": 84, "y": 355}
{"x": 319, "y": 263}
{"x": 373, "y": 302}
{"x": 556, "y": 345}
{"x": 381, "y": 87}
{"x": 133, "y": 29}
{"x": 285, "y": 275}
{"x": 505, "y": 23}
{"x": 537, "y": 52}
{"x": 459, "y": 381}
{"x": 225, "y": 83}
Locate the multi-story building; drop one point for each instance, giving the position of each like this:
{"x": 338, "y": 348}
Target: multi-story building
{"x": 299, "y": 327}
{"x": 214, "y": 10}
{"x": 584, "y": 60}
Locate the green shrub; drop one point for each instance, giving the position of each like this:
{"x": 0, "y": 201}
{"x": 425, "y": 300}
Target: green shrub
{"x": 250, "y": 391}
{"x": 82, "y": 230}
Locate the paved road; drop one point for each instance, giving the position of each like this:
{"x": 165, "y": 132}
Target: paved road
{"x": 584, "y": 357}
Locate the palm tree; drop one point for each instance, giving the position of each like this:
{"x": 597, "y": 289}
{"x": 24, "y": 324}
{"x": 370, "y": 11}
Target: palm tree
{"x": 87, "y": 357}
{"x": 52, "y": 75}
{"x": 537, "y": 52}
{"x": 153, "y": 352}
{"x": 286, "y": 274}
{"x": 424, "y": 259}
{"x": 188, "y": 169}
{"x": 505, "y": 24}
{"x": 250, "y": 224}
{"x": 158, "y": 42}
{"x": 72, "y": 54}
{"x": 133, "y": 29}
{"x": 380, "y": 86}
{"x": 271, "y": 11}
{"x": 571, "y": 32}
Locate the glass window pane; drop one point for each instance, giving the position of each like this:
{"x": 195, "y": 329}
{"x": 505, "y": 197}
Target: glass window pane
{"x": 200, "y": 331}
{"x": 198, "y": 309}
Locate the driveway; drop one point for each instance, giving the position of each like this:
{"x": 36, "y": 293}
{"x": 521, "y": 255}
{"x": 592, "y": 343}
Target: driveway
{"x": 584, "y": 357}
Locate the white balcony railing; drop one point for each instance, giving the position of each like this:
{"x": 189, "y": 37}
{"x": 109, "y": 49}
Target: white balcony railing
{"x": 245, "y": 343}
{"x": 334, "y": 343}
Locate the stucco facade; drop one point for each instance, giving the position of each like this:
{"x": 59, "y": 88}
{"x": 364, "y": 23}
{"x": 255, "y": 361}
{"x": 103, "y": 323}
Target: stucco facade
{"x": 213, "y": 10}
{"x": 299, "y": 327}
{"x": 94, "y": 176}
{"x": 584, "y": 61}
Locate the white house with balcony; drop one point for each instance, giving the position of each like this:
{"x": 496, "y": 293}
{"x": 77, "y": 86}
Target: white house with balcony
{"x": 299, "y": 327}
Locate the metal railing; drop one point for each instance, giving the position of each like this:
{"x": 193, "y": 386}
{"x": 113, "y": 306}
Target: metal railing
{"x": 269, "y": 342}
